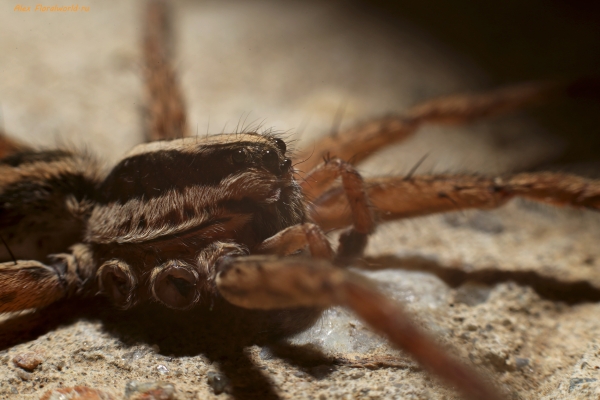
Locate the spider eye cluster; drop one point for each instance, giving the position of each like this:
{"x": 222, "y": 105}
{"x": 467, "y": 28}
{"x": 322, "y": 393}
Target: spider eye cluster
{"x": 280, "y": 145}
{"x": 273, "y": 159}
{"x": 240, "y": 156}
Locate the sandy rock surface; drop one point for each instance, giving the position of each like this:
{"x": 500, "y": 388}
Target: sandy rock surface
{"x": 513, "y": 290}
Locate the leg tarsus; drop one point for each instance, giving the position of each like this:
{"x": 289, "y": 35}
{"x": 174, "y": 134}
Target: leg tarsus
{"x": 556, "y": 188}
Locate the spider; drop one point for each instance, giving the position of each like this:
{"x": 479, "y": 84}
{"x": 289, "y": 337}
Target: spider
{"x": 190, "y": 222}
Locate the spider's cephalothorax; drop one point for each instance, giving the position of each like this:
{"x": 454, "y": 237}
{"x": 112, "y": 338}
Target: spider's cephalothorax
{"x": 156, "y": 226}
{"x": 169, "y": 211}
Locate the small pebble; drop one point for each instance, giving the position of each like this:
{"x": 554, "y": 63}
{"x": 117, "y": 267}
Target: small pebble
{"x": 60, "y": 364}
{"x": 266, "y": 354}
{"x": 26, "y": 376}
{"x": 163, "y": 370}
{"x": 134, "y": 355}
{"x": 77, "y": 392}
{"x": 575, "y": 382}
{"x": 357, "y": 375}
{"x": 521, "y": 362}
{"x": 218, "y": 382}
{"x": 472, "y": 294}
{"x": 27, "y": 361}
{"x": 149, "y": 391}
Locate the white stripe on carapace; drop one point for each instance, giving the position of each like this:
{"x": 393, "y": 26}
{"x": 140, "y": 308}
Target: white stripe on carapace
{"x": 191, "y": 144}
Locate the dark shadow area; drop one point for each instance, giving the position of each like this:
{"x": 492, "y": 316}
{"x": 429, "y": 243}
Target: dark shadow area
{"x": 318, "y": 365}
{"x": 514, "y": 41}
{"x": 548, "y": 288}
{"x": 246, "y": 380}
{"x": 303, "y": 356}
{"x": 222, "y": 334}
{"x": 30, "y": 325}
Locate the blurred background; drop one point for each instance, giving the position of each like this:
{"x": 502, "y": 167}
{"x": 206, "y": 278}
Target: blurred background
{"x": 76, "y": 77}
{"x": 515, "y": 40}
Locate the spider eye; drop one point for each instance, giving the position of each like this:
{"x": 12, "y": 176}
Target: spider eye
{"x": 239, "y": 156}
{"x": 118, "y": 282}
{"x": 286, "y": 164}
{"x": 280, "y": 145}
{"x": 271, "y": 161}
{"x": 174, "y": 285}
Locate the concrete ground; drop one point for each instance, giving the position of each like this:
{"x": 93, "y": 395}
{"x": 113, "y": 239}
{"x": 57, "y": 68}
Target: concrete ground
{"x": 514, "y": 291}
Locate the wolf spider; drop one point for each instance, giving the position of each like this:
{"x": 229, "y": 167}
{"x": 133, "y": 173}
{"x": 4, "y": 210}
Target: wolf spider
{"x": 187, "y": 221}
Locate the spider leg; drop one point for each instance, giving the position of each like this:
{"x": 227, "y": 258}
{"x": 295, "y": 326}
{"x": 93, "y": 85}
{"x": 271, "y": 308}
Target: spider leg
{"x": 398, "y": 197}
{"x": 26, "y": 284}
{"x": 166, "y": 113}
{"x": 353, "y": 241}
{"x": 45, "y": 198}
{"x": 295, "y": 238}
{"x": 268, "y": 282}
{"x": 359, "y": 142}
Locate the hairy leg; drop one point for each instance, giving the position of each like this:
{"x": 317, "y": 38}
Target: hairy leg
{"x": 267, "y": 282}
{"x": 166, "y": 114}
{"x": 45, "y": 198}
{"x": 26, "y": 284}
{"x": 398, "y": 197}
{"x": 296, "y": 238}
{"x": 361, "y": 141}
{"x": 353, "y": 241}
